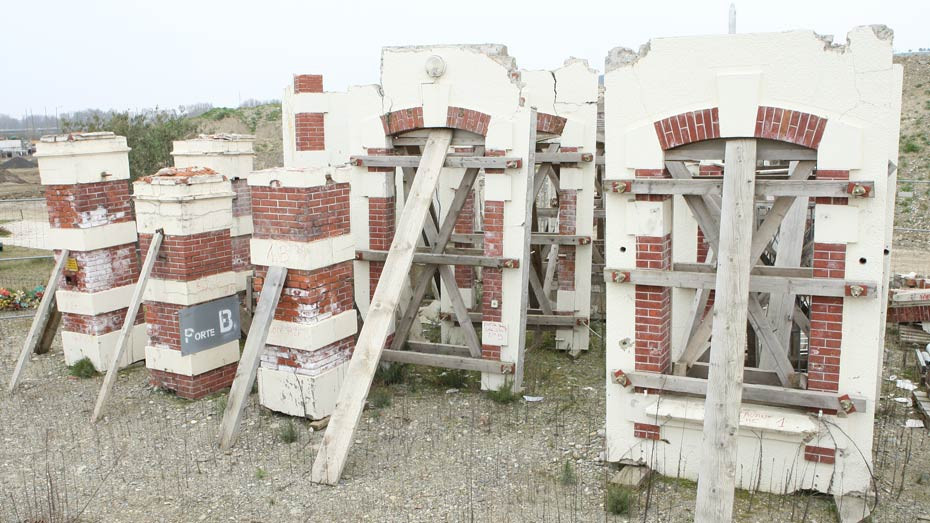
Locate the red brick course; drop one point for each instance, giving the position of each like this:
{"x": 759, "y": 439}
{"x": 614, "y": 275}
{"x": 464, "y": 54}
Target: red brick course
{"x": 465, "y": 224}
{"x": 550, "y": 123}
{"x": 492, "y": 278}
{"x": 308, "y": 83}
{"x": 826, "y": 336}
{"x": 310, "y": 296}
{"x": 84, "y": 205}
{"x": 188, "y": 258}
{"x": 98, "y": 325}
{"x": 791, "y": 126}
{"x": 194, "y": 387}
{"x": 102, "y": 269}
{"x": 820, "y": 454}
{"x": 653, "y": 307}
{"x": 646, "y": 431}
{"x": 309, "y": 131}
{"x": 688, "y": 127}
{"x": 568, "y": 201}
{"x": 300, "y": 214}
{"x": 456, "y": 117}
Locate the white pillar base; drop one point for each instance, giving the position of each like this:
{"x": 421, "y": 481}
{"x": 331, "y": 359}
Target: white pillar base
{"x": 300, "y": 395}
{"x": 99, "y": 349}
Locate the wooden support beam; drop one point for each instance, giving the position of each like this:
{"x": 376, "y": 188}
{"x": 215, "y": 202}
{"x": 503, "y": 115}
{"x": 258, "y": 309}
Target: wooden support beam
{"x": 445, "y": 349}
{"x": 446, "y": 258}
{"x": 48, "y": 336}
{"x": 552, "y": 157}
{"x": 535, "y": 317}
{"x": 799, "y": 172}
{"x": 781, "y": 307}
{"x": 529, "y": 198}
{"x": 752, "y": 393}
{"x": 418, "y": 138}
{"x": 539, "y": 292}
{"x": 707, "y": 186}
{"x": 40, "y": 322}
{"x": 128, "y": 323}
{"x": 751, "y": 375}
{"x": 757, "y": 283}
{"x": 458, "y": 162}
{"x": 445, "y": 233}
{"x": 447, "y": 362}
{"x": 777, "y": 353}
{"x": 716, "y": 150}
{"x": 717, "y": 477}
{"x": 251, "y": 355}
{"x": 538, "y": 238}
{"x": 334, "y": 448}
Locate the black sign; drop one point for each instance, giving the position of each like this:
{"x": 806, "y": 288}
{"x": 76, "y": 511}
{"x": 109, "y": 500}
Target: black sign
{"x": 209, "y": 325}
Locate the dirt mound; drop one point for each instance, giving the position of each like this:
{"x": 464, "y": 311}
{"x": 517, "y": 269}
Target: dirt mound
{"x": 19, "y": 162}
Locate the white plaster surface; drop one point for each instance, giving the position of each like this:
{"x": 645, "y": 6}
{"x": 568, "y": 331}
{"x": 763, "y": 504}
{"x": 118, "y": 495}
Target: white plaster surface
{"x": 99, "y": 349}
{"x": 300, "y": 395}
{"x": 306, "y": 256}
{"x": 94, "y": 303}
{"x": 93, "y": 157}
{"x": 92, "y": 238}
{"x": 313, "y": 336}
{"x": 171, "y": 360}
{"x": 192, "y": 292}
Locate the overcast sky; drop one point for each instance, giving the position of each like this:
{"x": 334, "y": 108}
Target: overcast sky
{"x": 127, "y": 54}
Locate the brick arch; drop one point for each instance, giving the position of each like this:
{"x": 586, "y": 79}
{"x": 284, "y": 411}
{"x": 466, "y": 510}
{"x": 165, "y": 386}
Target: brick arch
{"x": 550, "y": 123}
{"x": 786, "y": 125}
{"x": 773, "y": 123}
{"x": 456, "y": 118}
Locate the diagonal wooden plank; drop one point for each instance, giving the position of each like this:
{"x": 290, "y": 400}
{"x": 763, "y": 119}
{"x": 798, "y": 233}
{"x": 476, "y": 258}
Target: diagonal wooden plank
{"x": 769, "y": 226}
{"x": 539, "y": 292}
{"x": 334, "y": 448}
{"x": 54, "y": 320}
{"x": 776, "y": 352}
{"x": 782, "y": 305}
{"x": 717, "y": 476}
{"x": 128, "y": 323}
{"x": 447, "y": 275}
{"x": 40, "y": 320}
{"x": 444, "y": 235}
{"x": 524, "y": 269}
{"x": 251, "y": 355}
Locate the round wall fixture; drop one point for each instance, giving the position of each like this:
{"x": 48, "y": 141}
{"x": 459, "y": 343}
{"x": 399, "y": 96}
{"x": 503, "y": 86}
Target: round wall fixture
{"x": 435, "y": 66}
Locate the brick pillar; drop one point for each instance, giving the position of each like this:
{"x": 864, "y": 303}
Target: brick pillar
{"x": 465, "y": 275}
{"x": 301, "y": 219}
{"x": 87, "y": 193}
{"x": 232, "y": 156}
{"x": 194, "y": 266}
{"x": 491, "y": 278}
{"x": 654, "y": 304}
{"x": 823, "y": 363}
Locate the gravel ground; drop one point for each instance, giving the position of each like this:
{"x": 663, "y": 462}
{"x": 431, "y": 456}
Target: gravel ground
{"x": 431, "y": 455}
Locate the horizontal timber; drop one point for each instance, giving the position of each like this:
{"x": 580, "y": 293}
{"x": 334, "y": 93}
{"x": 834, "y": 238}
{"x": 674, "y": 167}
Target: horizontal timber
{"x": 714, "y": 187}
{"x": 475, "y": 162}
{"x": 757, "y": 283}
{"x": 537, "y": 239}
{"x": 444, "y": 259}
{"x": 447, "y": 362}
{"x": 770, "y": 150}
{"x": 752, "y": 393}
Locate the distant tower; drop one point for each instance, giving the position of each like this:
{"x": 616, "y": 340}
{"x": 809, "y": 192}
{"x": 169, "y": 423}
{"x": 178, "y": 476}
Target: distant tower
{"x": 732, "y": 19}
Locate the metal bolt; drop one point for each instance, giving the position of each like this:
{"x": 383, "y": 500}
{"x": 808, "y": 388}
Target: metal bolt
{"x": 856, "y": 290}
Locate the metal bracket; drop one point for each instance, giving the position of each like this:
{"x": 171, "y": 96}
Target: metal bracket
{"x": 846, "y": 404}
{"x": 620, "y": 186}
{"x": 859, "y": 190}
{"x": 856, "y": 291}
{"x": 620, "y": 378}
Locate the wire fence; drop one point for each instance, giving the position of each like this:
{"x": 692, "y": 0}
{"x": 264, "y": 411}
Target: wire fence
{"x": 25, "y": 260}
